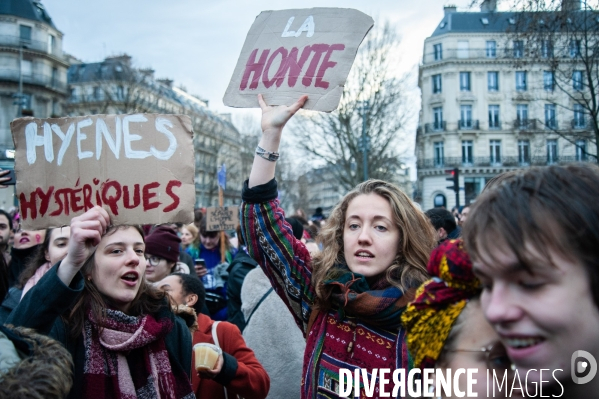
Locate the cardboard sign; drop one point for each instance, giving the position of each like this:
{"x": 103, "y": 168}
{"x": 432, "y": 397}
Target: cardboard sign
{"x": 288, "y": 53}
{"x": 221, "y": 218}
{"x": 140, "y": 168}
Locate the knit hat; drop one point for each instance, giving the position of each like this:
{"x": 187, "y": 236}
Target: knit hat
{"x": 439, "y": 301}
{"x": 163, "y": 242}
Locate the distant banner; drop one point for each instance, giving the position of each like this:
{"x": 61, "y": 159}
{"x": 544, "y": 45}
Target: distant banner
{"x": 292, "y": 52}
{"x": 140, "y": 168}
{"x": 222, "y": 218}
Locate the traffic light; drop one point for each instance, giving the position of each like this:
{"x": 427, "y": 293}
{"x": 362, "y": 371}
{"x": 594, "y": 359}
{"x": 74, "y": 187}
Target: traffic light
{"x": 455, "y": 181}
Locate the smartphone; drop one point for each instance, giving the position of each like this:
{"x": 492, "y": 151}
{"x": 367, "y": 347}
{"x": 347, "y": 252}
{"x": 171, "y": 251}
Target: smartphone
{"x": 200, "y": 262}
{"x": 13, "y": 178}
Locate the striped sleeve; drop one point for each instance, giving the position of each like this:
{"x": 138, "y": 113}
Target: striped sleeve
{"x": 284, "y": 259}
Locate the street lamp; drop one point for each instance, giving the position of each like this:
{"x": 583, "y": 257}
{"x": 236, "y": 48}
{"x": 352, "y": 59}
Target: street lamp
{"x": 363, "y": 108}
{"x": 20, "y": 97}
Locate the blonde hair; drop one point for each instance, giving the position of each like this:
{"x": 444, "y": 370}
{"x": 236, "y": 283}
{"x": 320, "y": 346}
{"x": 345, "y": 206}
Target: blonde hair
{"x": 417, "y": 240}
{"x": 195, "y": 240}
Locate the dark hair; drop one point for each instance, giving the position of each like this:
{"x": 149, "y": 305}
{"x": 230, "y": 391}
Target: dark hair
{"x": 38, "y": 259}
{"x": 193, "y": 285}
{"x": 8, "y": 217}
{"x": 240, "y": 240}
{"x": 203, "y": 229}
{"x": 545, "y": 208}
{"x": 296, "y": 226}
{"x": 441, "y": 217}
{"x": 4, "y": 272}
{"x": 149, "y": 299}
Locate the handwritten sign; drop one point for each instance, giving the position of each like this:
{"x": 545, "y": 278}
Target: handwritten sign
{"x": 222, "y": 218}
{"x": 292, "y": 52}
{"x": 140, "y": 168}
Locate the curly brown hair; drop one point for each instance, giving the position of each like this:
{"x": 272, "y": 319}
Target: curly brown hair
{"x": 417, "y": 240}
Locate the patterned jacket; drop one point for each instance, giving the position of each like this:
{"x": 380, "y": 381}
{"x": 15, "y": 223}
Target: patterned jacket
{"x": 331, "y": 343}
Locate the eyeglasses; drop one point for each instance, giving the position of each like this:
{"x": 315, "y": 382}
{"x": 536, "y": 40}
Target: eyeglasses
{"x": 496, "y": 356}
{"x": 153, "y": 260}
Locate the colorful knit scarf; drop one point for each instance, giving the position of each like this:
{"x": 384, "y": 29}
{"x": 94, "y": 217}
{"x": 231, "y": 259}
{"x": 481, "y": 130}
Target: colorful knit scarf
{"x": 439, "y": 302}
{"x": 380, "y": 305}
{"x": 128, "y": 359}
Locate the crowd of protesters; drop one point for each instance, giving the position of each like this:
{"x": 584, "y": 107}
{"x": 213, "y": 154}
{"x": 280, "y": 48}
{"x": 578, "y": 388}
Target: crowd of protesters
{"x": 507, "y": 284}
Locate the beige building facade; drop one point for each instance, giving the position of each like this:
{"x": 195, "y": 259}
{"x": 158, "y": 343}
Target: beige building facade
{"x": 484, "y": 114}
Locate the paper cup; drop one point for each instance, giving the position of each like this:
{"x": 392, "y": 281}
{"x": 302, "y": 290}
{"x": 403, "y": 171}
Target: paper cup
{"x": 206, "y": 356}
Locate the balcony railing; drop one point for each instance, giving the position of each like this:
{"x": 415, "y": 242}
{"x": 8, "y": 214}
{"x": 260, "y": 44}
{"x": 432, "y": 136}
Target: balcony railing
{"x": 37, "y": 45}
{"x": 34, "y": 78}
{"x": 468, "y": 124}
{"x": 508, "y": 161}
{"x": 434, "y": 127}
{"x": 525, "y": 124}
{"x": 495, "y": 125}
{"x": 451, "y": 54}
{"x": 580, "y": 124}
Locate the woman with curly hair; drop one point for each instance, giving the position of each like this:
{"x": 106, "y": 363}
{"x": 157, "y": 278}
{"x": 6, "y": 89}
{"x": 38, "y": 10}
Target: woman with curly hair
{"x": 121, "y": 332}
{"x": 349, "y": 298}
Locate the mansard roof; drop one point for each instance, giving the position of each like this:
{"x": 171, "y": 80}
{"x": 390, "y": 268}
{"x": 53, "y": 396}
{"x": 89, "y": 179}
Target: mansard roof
{"x": 28, "y": 9}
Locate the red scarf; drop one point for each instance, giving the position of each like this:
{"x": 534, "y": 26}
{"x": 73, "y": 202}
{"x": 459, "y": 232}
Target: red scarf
{"x": 128, "y": 359}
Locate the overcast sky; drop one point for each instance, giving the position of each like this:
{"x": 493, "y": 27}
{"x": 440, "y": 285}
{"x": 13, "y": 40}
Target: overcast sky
{"x": 197, "y": 42}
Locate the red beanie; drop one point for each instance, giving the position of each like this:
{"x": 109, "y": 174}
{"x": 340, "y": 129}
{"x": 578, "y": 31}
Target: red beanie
{"x": 163, "y": 242}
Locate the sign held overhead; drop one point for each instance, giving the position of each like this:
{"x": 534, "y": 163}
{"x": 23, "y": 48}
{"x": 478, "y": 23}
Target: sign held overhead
{"x": 292, "y": 52}
{"x": 139, "y": 167}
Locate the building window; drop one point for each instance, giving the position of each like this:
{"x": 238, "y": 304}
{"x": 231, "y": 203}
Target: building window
{"x": 438, "y": 121}
{"x": 578, "y": 121}
{"x": 26, "y": 68}
{"x": 524, "y": 152}
{"x": 494, "y": 117}
{"x": 491, "y": 49}
{"x": 495, "y": 149}
{"x": 467, "y": 157}
{"x": 438, "y": 52}
{"x": 518, "y": 48}
{"x": 464, "y": 81}
{"x": 439, "y": 201}
{"x": 51, "y": 43}
{"x": 546, "y": 49}
{"x": 466, "y": 117}
{"x": 551, "y": 151}
{"x": 577, "y": 80}
{"x": 521, "y": 80}
{"x": 436, "y": 83}
{"x": 548, "y": 80}
{"x": 493, "y": 81}
{"x": 581, "y": 150}
{"x": 574, "y": 48}
{"x": 96, "y": 93}
{"x": 25, "y": 33}
{"x": 550, "y": 122}
{"x": 463, "y": 49}
{"x": 54, "y": 77}
{"x": 439, "y": 154}
{"x": 522, "y": 116}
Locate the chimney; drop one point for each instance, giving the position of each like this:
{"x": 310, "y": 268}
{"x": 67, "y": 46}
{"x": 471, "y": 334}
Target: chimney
{"x": 451, "y": 8}
{"x": 571, "y": 5}
{"x": 489, "y": 6}
{"x": 124, "y": 58}
{"x": 147, "y": 72}
{"x": 167, "y": 82}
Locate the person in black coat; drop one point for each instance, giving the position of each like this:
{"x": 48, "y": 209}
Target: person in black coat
{"x": 121, "y": 332}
